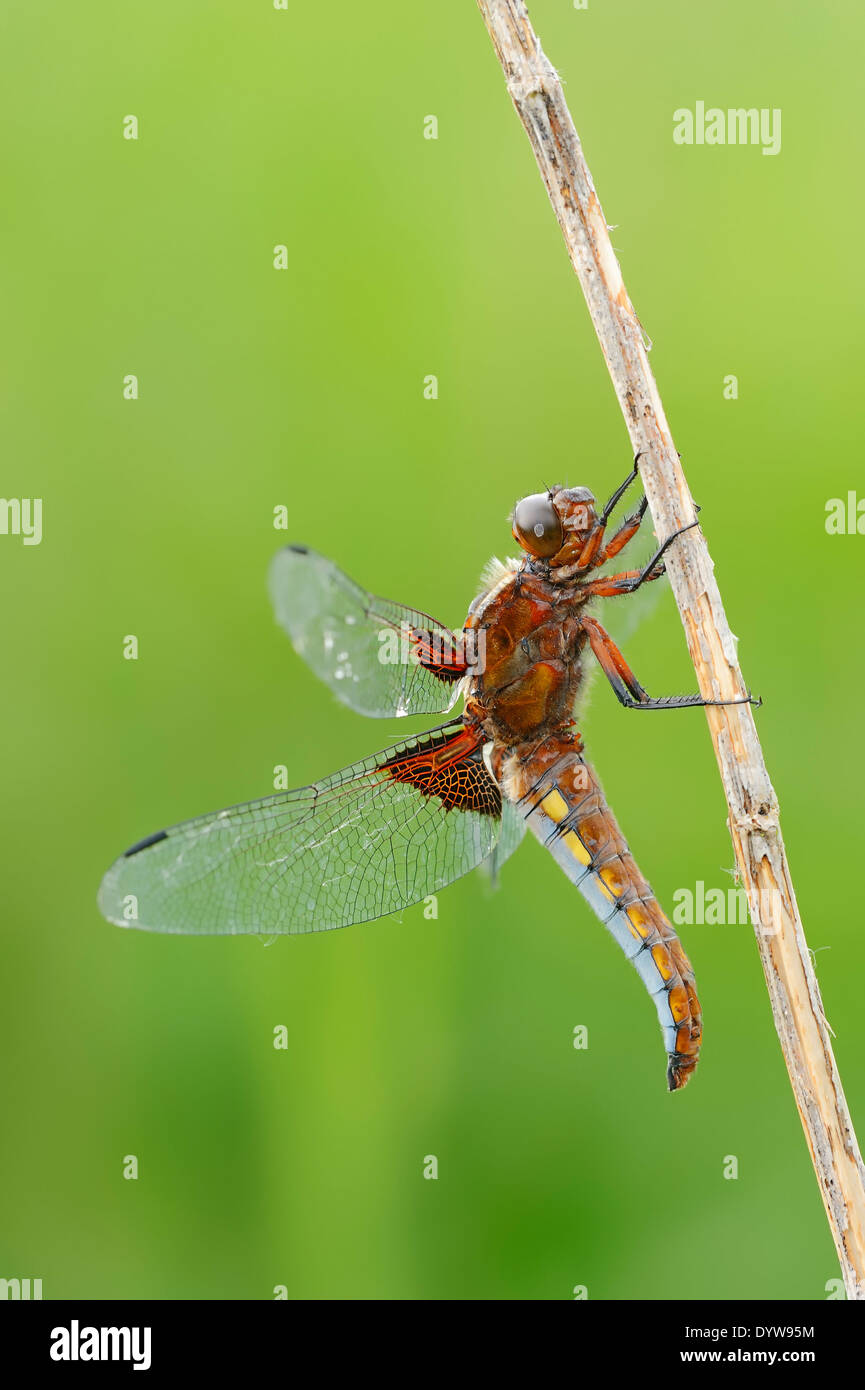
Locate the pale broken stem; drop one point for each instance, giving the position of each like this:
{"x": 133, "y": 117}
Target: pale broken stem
{"x": 794, "y": 994}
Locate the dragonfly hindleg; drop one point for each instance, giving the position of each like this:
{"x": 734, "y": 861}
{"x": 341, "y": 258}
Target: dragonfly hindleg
{"x": 628, "y": 690}
{"x": 593, "y": 553}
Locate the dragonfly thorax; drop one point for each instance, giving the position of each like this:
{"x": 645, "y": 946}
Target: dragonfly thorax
{"x": 530, "y": 638}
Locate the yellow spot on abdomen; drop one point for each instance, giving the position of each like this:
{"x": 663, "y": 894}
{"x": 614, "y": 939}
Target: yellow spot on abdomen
{"x": 679, "y": 1006}
{"x": 615, "y": 878}
{"x": 554, "y": 806}
{"x": 640, "y": 920}
{"x": 661, "y": 957}
{"x": 576, "y": 846}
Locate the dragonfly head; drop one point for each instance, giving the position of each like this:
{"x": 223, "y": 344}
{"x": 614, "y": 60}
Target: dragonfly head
{"x": 553, "y": 525}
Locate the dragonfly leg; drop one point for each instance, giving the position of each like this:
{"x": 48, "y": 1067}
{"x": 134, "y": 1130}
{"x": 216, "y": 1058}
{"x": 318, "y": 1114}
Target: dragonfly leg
{"x": 627, "y": 688}
{"x": 625, "y": 583}
{"x": 626, "y": 532}
{"x": 592, "y": 553}
{"x": 629, "y": 528}
{"x": 621, "y": 490}
{"x": 630, "y": 580}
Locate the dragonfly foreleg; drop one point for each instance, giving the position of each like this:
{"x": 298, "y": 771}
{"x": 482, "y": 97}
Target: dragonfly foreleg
{"x": 626, "y": 532}
{"x": 628, "y": 690}
{"x": 593, "y": 552}
{"x": 621, "y": 490}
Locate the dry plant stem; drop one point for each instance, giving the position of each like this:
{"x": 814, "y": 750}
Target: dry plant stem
{"x": 794, "y": 994}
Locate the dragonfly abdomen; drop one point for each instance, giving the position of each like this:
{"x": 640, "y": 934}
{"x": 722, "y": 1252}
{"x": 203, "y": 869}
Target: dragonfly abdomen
{"x": 564, "y": 805}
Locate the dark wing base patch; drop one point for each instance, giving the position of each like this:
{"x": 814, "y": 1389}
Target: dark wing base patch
{"x": 454, "y": 771}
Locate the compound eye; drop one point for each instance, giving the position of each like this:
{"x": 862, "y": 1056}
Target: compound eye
{"x": 537, "y": 526}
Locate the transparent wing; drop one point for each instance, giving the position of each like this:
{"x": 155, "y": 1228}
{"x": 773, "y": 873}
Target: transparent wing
{"x": 374, "y": 838}
{"x": 380, "y": 658}
{"x": 513, "y": 830}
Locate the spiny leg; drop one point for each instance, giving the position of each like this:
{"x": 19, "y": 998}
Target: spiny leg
{"x": 621, "y": 489}
{"x": 588, "y": 557}
{"x": 629, "y": 527}
{"x": 626, "y": 532}
{"x": 630, "y": 580}
{"x": 625, "y": 583}
{"x": 627, "y": 688}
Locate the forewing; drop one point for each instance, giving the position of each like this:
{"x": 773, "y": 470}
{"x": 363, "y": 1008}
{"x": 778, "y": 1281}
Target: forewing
{"x": 380, "y": 658}
{"x": 370, "y": 840}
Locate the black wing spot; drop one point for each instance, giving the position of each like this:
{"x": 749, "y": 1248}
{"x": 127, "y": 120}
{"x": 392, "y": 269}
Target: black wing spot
{"x": 147, "y": 842}
{"x": 298, "y": 549}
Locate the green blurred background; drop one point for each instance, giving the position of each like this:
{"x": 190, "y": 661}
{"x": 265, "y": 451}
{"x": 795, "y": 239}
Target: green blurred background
{"x": 407, "y": 257}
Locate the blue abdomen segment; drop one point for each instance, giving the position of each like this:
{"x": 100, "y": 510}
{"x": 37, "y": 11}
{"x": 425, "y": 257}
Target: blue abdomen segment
{"x": 564, "y": 805}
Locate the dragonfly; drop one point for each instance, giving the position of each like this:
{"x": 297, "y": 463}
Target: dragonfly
{"x": 394, "y": 828}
